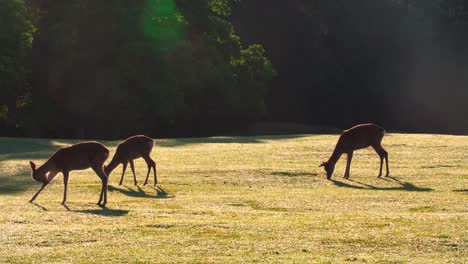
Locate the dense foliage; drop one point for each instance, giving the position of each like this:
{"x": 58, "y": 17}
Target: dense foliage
{"x": 16, "y": 37}
{"x": 105, "y": 69}
{"x": 143, "y": 66}
{"x": 84, "y": 68}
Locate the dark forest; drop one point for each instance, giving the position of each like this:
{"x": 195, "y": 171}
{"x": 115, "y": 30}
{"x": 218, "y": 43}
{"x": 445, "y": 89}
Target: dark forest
{"x": 181, "y": 68}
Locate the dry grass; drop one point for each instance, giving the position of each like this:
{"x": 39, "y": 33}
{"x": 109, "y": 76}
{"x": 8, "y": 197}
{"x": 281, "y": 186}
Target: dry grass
{"x": 248, "y": 199}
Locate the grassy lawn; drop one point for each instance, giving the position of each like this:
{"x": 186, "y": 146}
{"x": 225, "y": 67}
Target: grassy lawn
{"x": 244, "y": 199}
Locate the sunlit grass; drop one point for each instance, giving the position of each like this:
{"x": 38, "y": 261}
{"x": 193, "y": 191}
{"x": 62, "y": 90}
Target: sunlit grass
{"x": 248, "y": 199}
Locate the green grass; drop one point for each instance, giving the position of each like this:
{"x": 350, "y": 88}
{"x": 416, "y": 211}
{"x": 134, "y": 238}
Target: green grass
{"x": 248, "y": 199}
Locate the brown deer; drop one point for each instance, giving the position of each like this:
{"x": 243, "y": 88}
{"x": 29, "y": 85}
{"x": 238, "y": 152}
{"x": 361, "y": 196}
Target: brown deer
{"x": 358, "y": 137}
{"x": 80, "y": 156}
{"x": 133, "y": 148}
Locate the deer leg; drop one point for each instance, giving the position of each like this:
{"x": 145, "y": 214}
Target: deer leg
{"x": 386, "y": 161}
{"x": 49, "y": 178}
{"x": 151, "y": 165}
{"x": 102, "y": 175}
{"x": 155, "y": 174}
{"x": 132, "y": 166}
{"x": 38, "y": 192}
{"x": 103, "y": 196}
{"x": 381, "y": 164}
{"x": 147, "y": 174}
{"x": 348, "y": 165}
{"x": 102, "y": 193}
{"x": 382, "y": 153}
{"x": 65, "y": 185}
{"x": 105, "y": 192}
{"x": 123, "y": 172}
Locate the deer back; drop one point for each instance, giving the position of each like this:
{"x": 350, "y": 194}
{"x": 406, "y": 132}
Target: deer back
{"x": 361, "y": 136}
{"x": 134, "y": 147}
{"x": 79, "y": 156}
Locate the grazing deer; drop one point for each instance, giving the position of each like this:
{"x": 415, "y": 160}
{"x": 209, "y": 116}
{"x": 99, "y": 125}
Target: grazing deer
{"x": 133, "y": 148}
{"x": 358, "y": 137}
{"x": 80, "y": 156}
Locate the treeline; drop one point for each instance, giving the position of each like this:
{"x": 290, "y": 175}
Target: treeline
{"x": 110, "y": 69}
{"x": 107, "y": 69}
{"x": 400, "y": 63}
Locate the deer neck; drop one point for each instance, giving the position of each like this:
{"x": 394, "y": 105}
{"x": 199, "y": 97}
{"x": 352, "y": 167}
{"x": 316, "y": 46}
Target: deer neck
{"x": 336, "y": 154}
{"x": 112, "y": 165}
{"x": 49, "y": 165}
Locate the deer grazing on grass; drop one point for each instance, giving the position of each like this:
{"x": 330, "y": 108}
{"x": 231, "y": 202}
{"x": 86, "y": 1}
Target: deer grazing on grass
{"x": 133, "y": 148}
{"x": 77, "y": 157}
{"x": 358, "y": 137}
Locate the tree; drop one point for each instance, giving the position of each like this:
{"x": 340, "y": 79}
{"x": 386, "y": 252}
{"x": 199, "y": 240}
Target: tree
{"x": 113, "y": 69}
{"x": 16, "y": 38}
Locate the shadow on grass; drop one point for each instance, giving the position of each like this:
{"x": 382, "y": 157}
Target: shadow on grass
{"x": 18, "y": 182}
{"x": 66, "y": 207}
{"x": 26, "y": 149}
{"x": 39, "y": 206}
{"x": 221, "y": 140}
{"x": 404, "y": 186}
{"x": 461, "y": 191}
{"x": 440, "y": 166}
{"x": 34, "y": 149}
{"x": 104, "y": 212}
{"x": 139, "y": 192}
{"x": 293, "y": 174}
{"x": 24, "y": 145}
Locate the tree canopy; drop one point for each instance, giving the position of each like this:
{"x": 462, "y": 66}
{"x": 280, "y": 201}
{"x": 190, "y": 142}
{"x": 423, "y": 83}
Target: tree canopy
{"x": 155, "y": 65}
{"x": 94, "y": 68}
{"x": 16, "y": 38}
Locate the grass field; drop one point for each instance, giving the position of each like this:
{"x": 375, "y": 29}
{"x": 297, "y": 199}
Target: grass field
{"x": 246, "y": 199}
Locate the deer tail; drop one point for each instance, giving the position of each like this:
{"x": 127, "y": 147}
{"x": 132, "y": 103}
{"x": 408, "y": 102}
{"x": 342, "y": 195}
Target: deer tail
{"x": 382, "y": 132}
{"x": 151, "y": 144}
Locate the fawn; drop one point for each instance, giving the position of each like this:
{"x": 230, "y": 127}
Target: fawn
{"x": 357, "y": 137}
{"x": 80, "y": 156}
{"x": 133, "y": 148}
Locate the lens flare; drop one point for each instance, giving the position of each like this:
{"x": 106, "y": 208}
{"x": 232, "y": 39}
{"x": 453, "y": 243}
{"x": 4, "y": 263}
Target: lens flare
{"x": 163, "y": 24}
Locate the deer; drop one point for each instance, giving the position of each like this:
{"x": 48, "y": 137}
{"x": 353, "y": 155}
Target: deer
{"x": 80, "y": 156}
{"x": 355, "y": 138}
{"x": 132, "y": 148}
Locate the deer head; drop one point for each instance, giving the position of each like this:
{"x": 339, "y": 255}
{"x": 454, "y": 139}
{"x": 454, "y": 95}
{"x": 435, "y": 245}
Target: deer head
{"x": 36, "y": 174}
{"x": 329, "y": 168}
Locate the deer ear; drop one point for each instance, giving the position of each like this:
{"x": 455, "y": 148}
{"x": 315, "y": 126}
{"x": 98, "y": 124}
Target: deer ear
{"x": 322, "y": 165}
{"x": 33, "y": 166}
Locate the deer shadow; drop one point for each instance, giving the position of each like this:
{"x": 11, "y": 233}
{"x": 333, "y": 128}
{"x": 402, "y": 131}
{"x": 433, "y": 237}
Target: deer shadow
{"x": 140, "y": 193}
{"x": 404, "y": 186}
{"x": 293, "y": 174}
{"x": 104, "y": 211}
{"x": 39, "y": 206}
